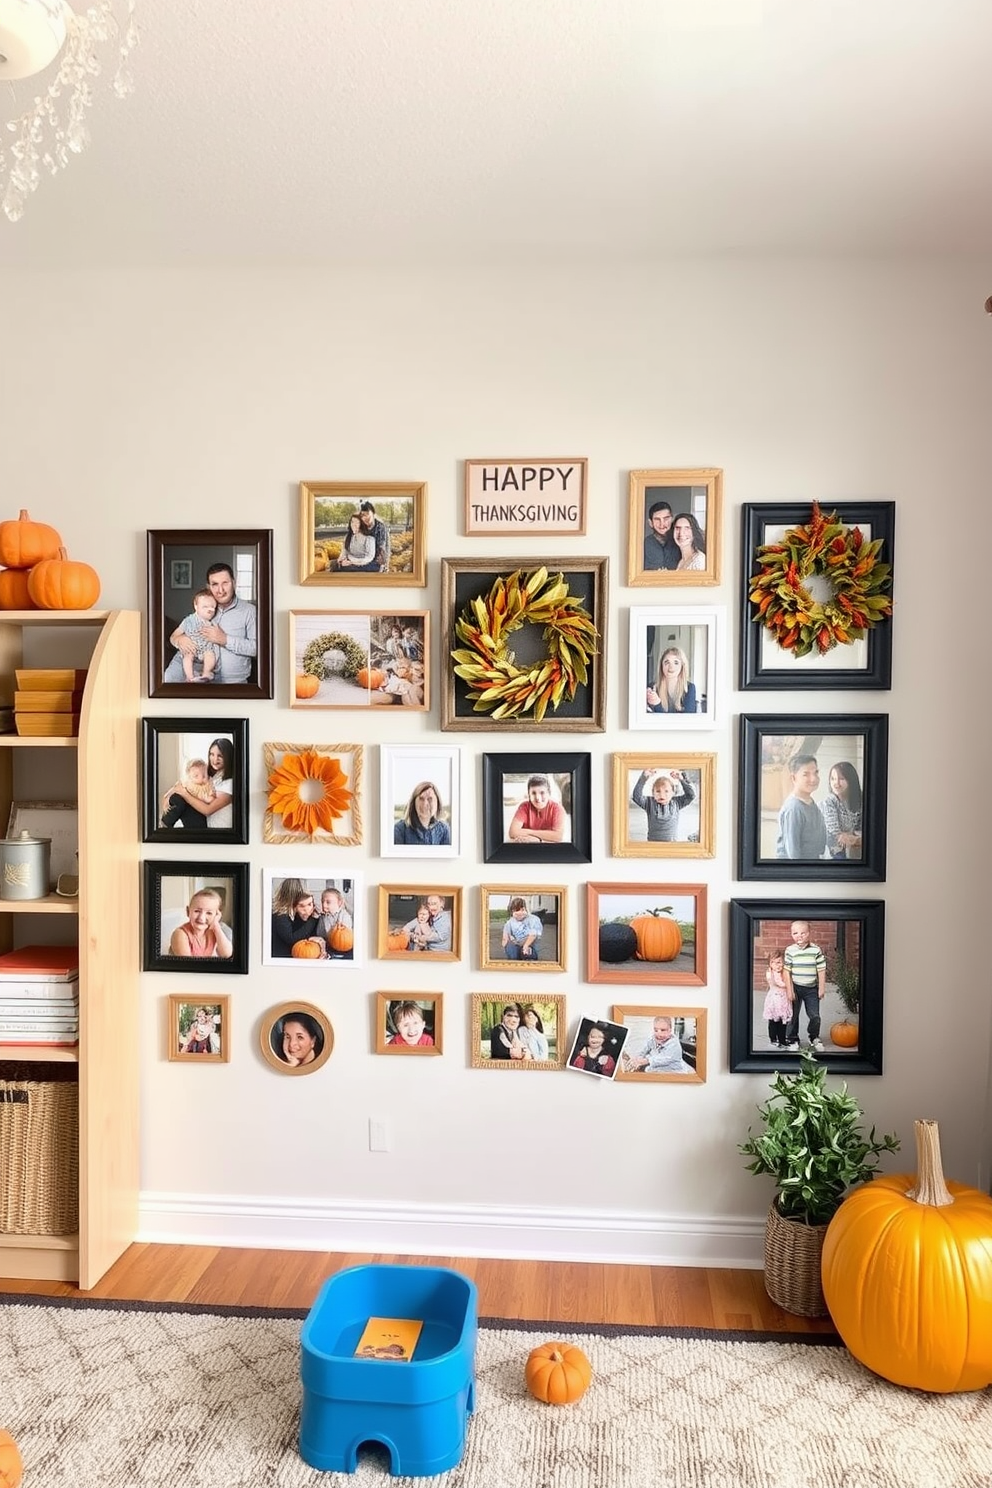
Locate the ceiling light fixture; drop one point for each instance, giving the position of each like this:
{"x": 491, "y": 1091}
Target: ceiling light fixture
{"x": 33, "y": 33}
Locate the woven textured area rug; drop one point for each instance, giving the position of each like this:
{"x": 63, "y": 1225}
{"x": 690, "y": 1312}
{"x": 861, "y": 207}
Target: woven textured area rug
{"x": 115, "y": 1395}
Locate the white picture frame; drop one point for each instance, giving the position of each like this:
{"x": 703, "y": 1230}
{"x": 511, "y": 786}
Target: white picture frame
{"x": 404, "y": 767}
{"x": 348, "y": 885}
{"x": 697, "y": 634}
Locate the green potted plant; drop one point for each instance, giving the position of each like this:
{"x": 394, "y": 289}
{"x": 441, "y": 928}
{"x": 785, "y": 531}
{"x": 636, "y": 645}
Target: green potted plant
{"x": 812, "y": 1142}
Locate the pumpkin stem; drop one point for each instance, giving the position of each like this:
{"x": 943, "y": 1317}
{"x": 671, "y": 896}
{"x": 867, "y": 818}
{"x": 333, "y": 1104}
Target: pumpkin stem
{"x": 24, "y": 515}
{"x": 558, "y": 1356}
{"x": 930, "y": 1186}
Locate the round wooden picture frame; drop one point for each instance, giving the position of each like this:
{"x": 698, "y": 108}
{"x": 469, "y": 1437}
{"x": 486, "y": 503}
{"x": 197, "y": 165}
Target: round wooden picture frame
{"x": 270, "y": 1036}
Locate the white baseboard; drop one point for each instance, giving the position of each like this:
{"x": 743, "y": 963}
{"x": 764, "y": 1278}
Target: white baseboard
{"x": 257, "y": 1222}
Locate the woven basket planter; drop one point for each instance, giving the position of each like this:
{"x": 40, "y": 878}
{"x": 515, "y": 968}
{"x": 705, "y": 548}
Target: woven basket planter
{"x": 792, "y": 1264}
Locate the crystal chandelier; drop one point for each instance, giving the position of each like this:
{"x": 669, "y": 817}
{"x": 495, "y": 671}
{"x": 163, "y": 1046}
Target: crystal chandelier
{"x": 33, "y": 33}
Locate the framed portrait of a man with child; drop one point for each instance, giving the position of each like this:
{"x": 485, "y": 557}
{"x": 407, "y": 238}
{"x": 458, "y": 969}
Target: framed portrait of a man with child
{"x": 419, "y": 923}
{"x": 813, "y": 796}
{"x": 210, "y": 614}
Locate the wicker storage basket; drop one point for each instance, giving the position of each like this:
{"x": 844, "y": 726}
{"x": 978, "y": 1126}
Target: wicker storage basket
{"x": 39, "y": 1150}
{"x": 792, "y": 1264}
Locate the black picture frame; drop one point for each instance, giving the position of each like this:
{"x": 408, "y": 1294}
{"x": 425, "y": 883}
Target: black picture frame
{"x": 497, "y": 767}
{"x": 156, "y": 751}
{"x": 466, "y": 579}
{"x": 761, "y": 670}
{"x": 244, "y": 550}
{"x": 162, "y": 913}
{"x": 766, "y": 744}
{"x": 851, "y": 927}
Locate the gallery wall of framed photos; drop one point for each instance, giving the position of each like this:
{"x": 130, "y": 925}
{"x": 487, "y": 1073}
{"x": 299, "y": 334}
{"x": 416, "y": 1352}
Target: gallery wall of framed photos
{"x": 758, "y": 378}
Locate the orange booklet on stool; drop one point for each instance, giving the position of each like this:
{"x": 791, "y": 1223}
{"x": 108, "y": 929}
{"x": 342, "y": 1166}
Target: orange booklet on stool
{"x": 389, "y": 1338}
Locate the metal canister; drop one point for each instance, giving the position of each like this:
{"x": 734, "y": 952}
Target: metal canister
{"x": 25, "y": 866}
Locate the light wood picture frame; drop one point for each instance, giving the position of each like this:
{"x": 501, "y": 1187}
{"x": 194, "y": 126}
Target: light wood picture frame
{"x": 198, "y": 1031}
{"x": 340, "y": 767}
{"x": 360, "y": 659}
{"x": 390, "y": 522}
{"x": 665, "y": 1045}
{"x": 295, "y": 1038}
{"x": 492, "y": 1040}
{"x": 404, "y": 1021}
{"x": 427, "y": 916}
{"x": 658, "y": 499}
{"x": 645, "y": 934}
{"x": 651, "y": 820}
{"x": 523, "y": 927}
{"x": 526, "y": 498}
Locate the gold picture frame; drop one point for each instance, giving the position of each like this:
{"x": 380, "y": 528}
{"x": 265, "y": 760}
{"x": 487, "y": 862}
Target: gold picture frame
{"x": 643, "y": 1048}
{"x": 401, "y": 907}
{"x": 487, "y": 1015}
{"x": 693, "y": 776}
{"x": 326, "y": 508}
{"x": 542, "y": 940}
{"x": 396, "y": 1015}
{"x": 651, "y": 553}
{"x": 198, "y": 1031}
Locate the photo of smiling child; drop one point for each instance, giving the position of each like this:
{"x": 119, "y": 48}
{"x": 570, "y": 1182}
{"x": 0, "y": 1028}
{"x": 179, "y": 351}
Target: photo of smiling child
{"x": 408, "y": 1025}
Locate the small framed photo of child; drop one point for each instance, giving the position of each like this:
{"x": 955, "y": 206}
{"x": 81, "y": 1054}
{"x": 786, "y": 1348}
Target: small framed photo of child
{"x": 537, "y": 808}
{"x": 664, "y": 1044}
{"x": 526, "y": 1035}
{"x": 597, "y": 1048}
{"x": 195, "y": 917}
{"x": 295, "y": 1038}
{"x": 199, "y": 1031}
{"x": 523, "y": 928}
{"x": 806, "y": 976}
{"x": 210, "y": 614}
{"x": 195, "y": 780}
{"x": 664, "y": 805}
{"x": 420, "y": 801}
{"x": 408, "y": 1025}
{"x": 673, "y": 668}
{"x": 312, "y": 919}
{"x": 674, "y": 527}
{"x": 420, "y": 922}
{"x": 813, "y": 796}
{"x": 642, "y": 933}
{"x": 360, "y": 659}
{"x": 369, "y": 532}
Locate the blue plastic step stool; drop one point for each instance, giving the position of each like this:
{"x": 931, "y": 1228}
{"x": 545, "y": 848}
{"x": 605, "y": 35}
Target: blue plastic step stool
{"x": 417, "y": 1409}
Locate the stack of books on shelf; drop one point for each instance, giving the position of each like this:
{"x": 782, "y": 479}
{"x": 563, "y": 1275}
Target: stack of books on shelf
{"x": 39, "y": 995}
{"x": 47, "y": 700}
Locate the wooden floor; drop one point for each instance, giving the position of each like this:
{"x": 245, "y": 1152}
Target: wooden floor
{"x": 660, "y": 1296}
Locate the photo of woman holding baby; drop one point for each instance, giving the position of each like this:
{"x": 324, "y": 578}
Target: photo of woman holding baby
{"x": 195, "y": 780}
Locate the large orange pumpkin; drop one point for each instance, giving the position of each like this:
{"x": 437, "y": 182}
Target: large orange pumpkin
{"x": 370, "y": 677}
{"x": 397, "y": 940}
{"x": 558, "y": 1373}
{"x": 62, "y": 584}
{"x": 307, "y": 685}
{"x": 11, "y": 1466}
{"x": 306, "y": 950}
{"x": 340, "y": 939}
{"x": 907, "y": 1276}
{"x": 658, "y": 937}
{"x": 844, "y": 1035}
{"x": 24, "y": 543}
{"x": 14, "y": 590}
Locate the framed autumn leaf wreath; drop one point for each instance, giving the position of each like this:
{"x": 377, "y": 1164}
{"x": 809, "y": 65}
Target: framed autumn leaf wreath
{"x": 523, "y": 644}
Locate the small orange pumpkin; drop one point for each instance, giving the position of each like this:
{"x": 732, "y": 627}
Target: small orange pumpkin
{"x": 397, "y": 940}
{"x": 370, "y": 677}
{"x": 558, "y": 1373}
{"x": 844, "y": 1035}
{"x": 62, "y": 584}
{"x": 307, "y": 685}
{"x": 658, "y": 937}
{"x": 24, "y": 543}
{"x": 306, "y": 950}
{"x": 340, "y": 939}
{"x": 14, "y": 590}
{"x": 11, "y": 1465}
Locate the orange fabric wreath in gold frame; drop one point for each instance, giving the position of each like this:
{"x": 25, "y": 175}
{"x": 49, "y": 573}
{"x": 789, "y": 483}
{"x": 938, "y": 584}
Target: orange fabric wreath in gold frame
{"x": 313, "y": 793}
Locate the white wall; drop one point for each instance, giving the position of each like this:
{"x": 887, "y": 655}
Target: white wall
{"x": 192, "y": 398}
